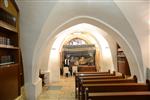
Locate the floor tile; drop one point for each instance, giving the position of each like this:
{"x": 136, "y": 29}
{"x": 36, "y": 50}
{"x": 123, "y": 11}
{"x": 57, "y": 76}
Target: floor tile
{"x": 63, "y": 90}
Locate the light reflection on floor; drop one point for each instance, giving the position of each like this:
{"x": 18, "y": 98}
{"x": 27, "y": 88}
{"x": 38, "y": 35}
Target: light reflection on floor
{"x": 63, "y": 90}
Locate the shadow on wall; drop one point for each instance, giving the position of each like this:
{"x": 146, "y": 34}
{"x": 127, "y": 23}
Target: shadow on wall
{"x": 148, "y": 73}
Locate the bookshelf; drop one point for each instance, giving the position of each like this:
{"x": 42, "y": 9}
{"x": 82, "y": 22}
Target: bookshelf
{"x": 10, "y": 69}
{"x": 122, "y": 63}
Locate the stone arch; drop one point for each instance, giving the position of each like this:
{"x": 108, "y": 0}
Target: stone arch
{"x": 113, "y": 32}
{"x": 131, "y": 53}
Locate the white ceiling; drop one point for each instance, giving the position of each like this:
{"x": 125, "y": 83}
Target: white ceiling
{"x": 137, "y": 12}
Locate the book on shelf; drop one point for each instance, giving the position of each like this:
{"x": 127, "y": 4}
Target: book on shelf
{"x": 6, "y": 42}
{"x": 6, "y": 63}
{"x": 7, "y": 59}
{"x": 7, "y": 17}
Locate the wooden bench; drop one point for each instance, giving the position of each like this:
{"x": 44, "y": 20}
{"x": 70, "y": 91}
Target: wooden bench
{"x": 113, "y": 87}
{"x": 96, "y": 81}
{"x": 101, "y": 77}
{"x": 77, "y": 89}
{"x": 93, "y": 75}
{"x": 98, "y": 77}
{"x": 134, "y": 95}
{"x": 79, "y": 74}
{"x": 106, "y": 81}
{"x": 91, "y": 72}
{"x": 86, "y": 68}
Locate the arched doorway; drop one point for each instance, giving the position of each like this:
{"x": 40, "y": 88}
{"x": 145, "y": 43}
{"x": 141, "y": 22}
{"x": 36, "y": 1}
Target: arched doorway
{"x": 112, "y": 32}
{"x": 39, "y": 27}
{"x": 92, "y": 35}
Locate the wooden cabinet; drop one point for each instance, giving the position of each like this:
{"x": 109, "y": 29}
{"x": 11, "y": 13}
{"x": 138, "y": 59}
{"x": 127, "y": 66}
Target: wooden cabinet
{"x": 122, "y": 62}
{"x": 9, "y": 51}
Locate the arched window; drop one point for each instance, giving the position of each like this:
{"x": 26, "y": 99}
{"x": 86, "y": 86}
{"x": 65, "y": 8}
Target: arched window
{"x": 77, "y": 41}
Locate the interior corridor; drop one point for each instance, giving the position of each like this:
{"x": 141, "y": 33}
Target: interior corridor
{"x": 62, "y": 90}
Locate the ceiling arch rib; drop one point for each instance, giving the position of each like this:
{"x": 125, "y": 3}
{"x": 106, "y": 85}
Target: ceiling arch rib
{"x": 91, "y": 34}
{"x": 112, "y": 32}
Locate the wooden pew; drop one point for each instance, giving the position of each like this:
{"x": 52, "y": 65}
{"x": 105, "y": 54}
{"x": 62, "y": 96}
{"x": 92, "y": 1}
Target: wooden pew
{"x": 82, "y": 74}
{"x": 93, "y": 75}
{"x": 113, "y": 87}
{"x": 97, "y": 81}
{"x": 106, "y": 81}
{"x": 77, "y": 74}
{"x": 92, "y": 72}
{"x": 98, "y": 77}
{"x": 77, "y": 89}
{"x": 101, "y": 77}
{"x": 134, "y": 95}
{"x": 85, "y": 73}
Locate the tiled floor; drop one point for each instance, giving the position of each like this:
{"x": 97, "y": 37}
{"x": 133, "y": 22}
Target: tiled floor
{"x": 63, "y": 90}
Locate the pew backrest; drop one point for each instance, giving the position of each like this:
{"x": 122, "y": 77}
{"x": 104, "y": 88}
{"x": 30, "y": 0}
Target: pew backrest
{"x": 136, "y": 95}
{"x": 88, "y": 75}
{"x": 101, "y": 77}
{"x": 113, "y": 87}
{"x": 101, "y": 81}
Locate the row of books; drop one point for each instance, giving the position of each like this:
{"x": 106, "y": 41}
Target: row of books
{"x": 7, "y": 17}
{"x": 5, "y": 41}
{"x": 6, "y": 60}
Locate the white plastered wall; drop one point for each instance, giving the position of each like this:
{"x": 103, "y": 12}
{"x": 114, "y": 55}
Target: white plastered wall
{"x": 133, "y": 70}
{"x": 139, "y": 19}
{"x": 92, "y": 35}
{"x": 39, "y": 30}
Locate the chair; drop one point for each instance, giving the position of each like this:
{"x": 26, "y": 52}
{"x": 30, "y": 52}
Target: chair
{"x": 66, "y": 71}
{"x": 74, "y": 69}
